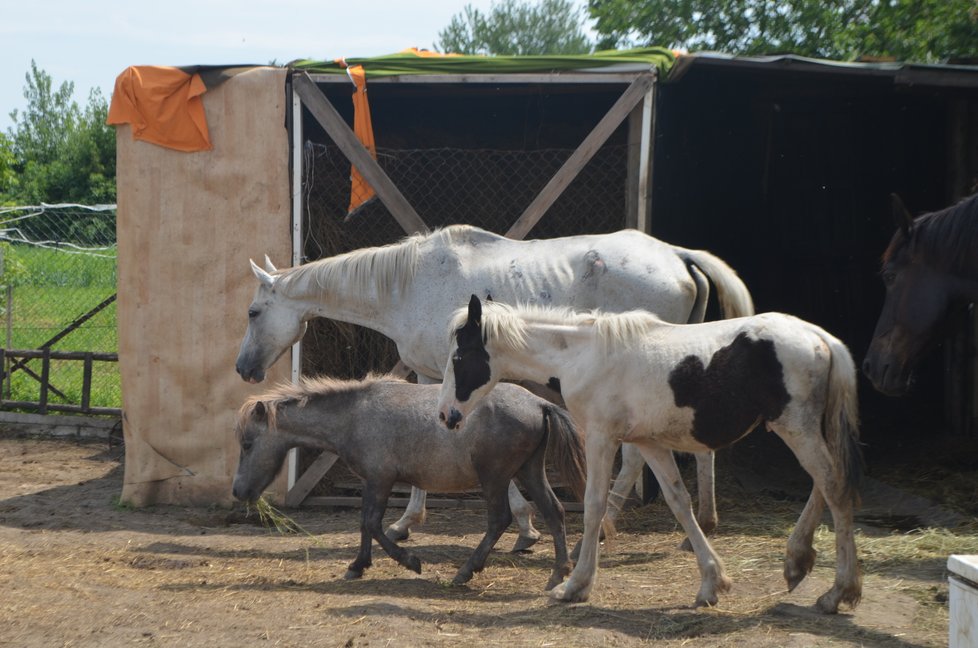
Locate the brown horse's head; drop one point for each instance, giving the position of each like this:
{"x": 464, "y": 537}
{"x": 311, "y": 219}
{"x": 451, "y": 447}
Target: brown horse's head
{"x": 922, "y": 284}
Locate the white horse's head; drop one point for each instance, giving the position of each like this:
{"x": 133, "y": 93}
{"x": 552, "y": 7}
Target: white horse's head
{"x": 275, "y": 323}
{"x": 469, "y": 374}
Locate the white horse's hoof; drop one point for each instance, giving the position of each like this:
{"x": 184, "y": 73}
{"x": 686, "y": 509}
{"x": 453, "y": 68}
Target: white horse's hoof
{"x": 568, "y": 594}
{"x": 523, "y": 543}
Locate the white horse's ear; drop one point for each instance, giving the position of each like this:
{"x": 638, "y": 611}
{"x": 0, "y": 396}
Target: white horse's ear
{"x": 262, "y": 276}
{"x": 269, "y": 266}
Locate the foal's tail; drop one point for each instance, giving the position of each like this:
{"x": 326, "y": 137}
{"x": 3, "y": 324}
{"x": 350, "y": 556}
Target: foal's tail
{"x": 732, "y": 293}
{"x": 566, "y": 448}
{"x": 840, "y": 421}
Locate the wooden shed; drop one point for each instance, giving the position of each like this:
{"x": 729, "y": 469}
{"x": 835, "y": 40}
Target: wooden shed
{"x": 780, "y": 165}
{"x": 494, "y": 142}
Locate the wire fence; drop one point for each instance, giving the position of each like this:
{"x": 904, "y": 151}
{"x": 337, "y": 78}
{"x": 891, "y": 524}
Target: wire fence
{"x": 57, "y": 289}
{"x": 483, "y": 187}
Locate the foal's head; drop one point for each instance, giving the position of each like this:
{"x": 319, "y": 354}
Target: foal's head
{"x": 262, "y": 451}
{"x": 469, "y": 372}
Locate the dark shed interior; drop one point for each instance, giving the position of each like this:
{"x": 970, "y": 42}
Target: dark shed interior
{"x": 785, "y": 171}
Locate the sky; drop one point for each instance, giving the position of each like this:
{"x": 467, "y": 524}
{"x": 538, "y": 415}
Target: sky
{"x": 90, "y": 42}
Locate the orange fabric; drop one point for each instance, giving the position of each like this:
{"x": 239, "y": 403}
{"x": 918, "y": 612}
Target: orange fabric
{"x": 425, "y": 53}
{"x": 163, "y": 105}
{"x": 360, "y": 189}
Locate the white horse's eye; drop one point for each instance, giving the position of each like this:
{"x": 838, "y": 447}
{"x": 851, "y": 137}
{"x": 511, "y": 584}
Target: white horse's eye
{"x": 253, "y": 313}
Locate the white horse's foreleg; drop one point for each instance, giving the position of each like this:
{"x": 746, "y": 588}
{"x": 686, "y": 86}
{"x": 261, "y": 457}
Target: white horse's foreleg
{"x": 415, "y": 513}
{"x": 706, "y": 512}
{"x": 713, "y": 578}
{"x": 600, "y": 453}
{"x": 523, "y": 514}
{"x": 632, "y": 463}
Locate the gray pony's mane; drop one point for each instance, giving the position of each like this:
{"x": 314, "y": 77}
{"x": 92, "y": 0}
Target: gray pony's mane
{"x": 300, "y": 393}
{"x": 509, "y": 326}
{"x": 379, "y": 269}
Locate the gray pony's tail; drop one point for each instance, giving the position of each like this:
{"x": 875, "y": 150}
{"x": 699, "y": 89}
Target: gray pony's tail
{"x": 566, "y": 448}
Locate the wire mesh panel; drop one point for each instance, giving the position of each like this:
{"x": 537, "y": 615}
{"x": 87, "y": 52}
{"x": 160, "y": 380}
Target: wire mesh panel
{"x": 482, "y": 187}
{"x": 58, "y": 279}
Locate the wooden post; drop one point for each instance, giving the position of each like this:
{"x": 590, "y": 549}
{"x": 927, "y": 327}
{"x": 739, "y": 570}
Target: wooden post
{"x": 340, "y": 132}
{"x": 582, "y": 155}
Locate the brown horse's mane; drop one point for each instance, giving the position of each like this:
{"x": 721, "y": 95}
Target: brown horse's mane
{"x": 300, "y": 393}
{"x": 946, "y": 240}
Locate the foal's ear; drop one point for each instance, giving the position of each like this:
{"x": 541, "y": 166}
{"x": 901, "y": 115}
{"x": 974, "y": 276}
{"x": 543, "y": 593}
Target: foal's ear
{"x": 901, "y": 215}
{"x": 475, "y": 310}
{"x": 262, "y": 276}
{"x": 260, "y": 412}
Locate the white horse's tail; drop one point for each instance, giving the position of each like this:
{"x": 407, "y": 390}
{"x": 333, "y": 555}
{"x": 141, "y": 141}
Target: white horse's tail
{"x": 735, "y": 299}
{"x": 840, "y": 421}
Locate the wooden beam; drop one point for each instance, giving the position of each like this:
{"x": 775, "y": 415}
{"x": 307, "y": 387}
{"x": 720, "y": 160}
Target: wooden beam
{"x": 343, "y": 135}
{"x": 582, "y": 155}
{"x": 303, "y": 485}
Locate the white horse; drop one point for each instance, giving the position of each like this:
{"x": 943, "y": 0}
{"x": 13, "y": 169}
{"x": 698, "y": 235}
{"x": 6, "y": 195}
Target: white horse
{"x": 637, "y": 379}
{"x": 409, "y": 290}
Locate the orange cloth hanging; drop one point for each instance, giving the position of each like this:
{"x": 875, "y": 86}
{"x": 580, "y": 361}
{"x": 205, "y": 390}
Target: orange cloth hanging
{"x": 163, "y": 105}
{"x": 360, "y": 190}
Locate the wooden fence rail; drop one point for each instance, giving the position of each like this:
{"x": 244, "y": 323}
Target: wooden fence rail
{"x": 46, "y": 356}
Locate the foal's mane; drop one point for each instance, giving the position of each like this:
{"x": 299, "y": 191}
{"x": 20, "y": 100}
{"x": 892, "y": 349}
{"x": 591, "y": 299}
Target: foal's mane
{"x": 508, "y": 326}
{"x": 945, "y": 240}
{"x": 299, "y": 394}
{"x": 377, "y": 269}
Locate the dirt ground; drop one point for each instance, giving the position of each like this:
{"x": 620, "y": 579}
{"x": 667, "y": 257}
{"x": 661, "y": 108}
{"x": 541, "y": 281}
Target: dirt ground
{"x": 77, "y": 569}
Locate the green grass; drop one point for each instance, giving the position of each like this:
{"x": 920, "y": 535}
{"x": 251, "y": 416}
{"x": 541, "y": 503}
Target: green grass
{"x": 50, "y": 289}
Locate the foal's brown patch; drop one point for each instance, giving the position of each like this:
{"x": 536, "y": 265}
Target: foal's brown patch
{"x": 744, "y": 382}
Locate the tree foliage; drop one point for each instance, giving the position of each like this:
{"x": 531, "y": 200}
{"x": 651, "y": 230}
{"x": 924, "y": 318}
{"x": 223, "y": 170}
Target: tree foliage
{"x": 57, "y": 151}
{"x": 512, "y": 27}
{"x": 907, "y": 30}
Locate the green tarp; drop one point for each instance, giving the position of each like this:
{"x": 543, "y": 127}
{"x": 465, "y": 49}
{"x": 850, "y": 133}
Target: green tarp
{"x": 410, "y": 63}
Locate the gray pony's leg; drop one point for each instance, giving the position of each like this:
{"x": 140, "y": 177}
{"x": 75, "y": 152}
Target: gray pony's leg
{"x": 498, "y": 518}
{"x": 371, "y": 525}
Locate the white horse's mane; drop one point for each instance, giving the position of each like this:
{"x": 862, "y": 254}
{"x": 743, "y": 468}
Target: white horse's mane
{"x": 300, "y": 393}
{"x": 377, "y": 268}
{"x": 509, "y": 326}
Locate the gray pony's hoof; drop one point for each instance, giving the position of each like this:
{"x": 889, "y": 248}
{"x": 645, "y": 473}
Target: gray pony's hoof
{"x": 461, "y": 578}
{"x": 352, "y": 574}
{"x": 413, "y": 563}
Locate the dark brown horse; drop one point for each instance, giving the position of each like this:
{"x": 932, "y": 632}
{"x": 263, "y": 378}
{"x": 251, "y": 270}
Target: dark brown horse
{"x": 929, "y": 269}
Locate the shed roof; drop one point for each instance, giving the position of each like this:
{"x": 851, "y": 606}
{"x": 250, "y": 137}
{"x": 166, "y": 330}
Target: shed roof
{"x": 417, "y": 62}
{"x": 900, "y": 73}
